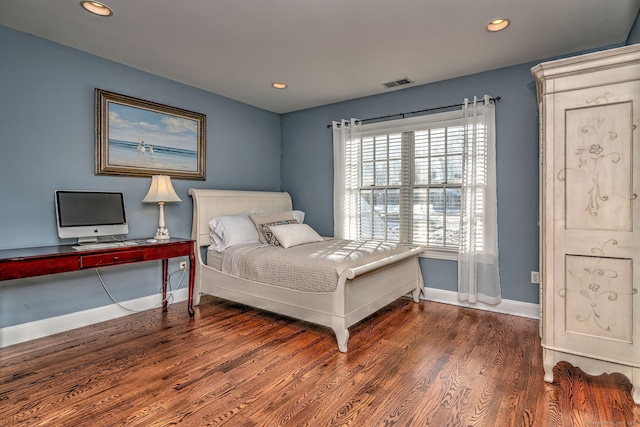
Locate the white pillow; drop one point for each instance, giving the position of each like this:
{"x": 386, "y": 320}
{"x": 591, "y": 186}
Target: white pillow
{"x": 298, "y": 215}
{"x": 232, "y": 230}
{"x": 294, "y": 234}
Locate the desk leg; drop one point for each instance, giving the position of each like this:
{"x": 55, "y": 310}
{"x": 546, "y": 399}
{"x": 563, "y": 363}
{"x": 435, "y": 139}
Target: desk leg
{"x": 192, "y": 276}
{"x": 165, "y": 276}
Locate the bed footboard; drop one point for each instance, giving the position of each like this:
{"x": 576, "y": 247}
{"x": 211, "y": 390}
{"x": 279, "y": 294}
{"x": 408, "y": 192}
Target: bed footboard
{"x": 363, "y": 290}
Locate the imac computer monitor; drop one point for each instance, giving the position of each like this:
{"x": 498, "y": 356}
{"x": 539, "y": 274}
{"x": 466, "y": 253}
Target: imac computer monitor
{"x": 87, "y": 215}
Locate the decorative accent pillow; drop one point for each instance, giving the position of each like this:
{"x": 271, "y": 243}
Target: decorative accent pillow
{"x": 294, "y": 234}
{"x": 265, "y": 229}
{"x": 267, "y": 218}
{"x": 229, "y": 230}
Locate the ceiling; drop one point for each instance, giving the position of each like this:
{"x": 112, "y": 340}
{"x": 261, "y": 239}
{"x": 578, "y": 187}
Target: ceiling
{"x": 325, "y": 50}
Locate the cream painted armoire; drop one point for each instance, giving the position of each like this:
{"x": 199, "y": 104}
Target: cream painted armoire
{"x": 590, "y": 212}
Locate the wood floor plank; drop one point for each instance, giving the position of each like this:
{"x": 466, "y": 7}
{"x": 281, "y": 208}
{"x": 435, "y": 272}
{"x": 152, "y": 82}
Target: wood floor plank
{"x": 425, "y": 364}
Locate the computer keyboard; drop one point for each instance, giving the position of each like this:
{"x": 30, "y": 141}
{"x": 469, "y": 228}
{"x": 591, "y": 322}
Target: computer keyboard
{"x": 105, "y": 245}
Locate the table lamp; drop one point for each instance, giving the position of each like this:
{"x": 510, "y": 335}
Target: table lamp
{"x": 161, "y": 192}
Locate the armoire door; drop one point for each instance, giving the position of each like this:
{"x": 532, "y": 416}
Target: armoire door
{"x": 595, "y": 266}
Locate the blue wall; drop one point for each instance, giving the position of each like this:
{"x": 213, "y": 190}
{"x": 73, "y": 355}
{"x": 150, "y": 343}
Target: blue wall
{"x": 634, "y": 34}
{"x": 47, "y": 143}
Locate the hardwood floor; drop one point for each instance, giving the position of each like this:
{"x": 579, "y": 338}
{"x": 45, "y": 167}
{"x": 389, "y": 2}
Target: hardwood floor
{"x": 425, "y": 364}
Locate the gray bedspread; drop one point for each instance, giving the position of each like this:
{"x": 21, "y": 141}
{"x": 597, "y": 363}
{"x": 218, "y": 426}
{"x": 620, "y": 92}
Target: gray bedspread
{"x": 312, "y": 267}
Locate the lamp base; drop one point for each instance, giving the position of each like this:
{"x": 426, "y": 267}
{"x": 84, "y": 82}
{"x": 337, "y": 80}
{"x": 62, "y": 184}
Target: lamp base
{"x": 162, "y": 234}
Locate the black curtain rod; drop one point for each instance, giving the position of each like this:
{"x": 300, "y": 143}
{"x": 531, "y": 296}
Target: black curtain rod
{"x": 497, "y": 98}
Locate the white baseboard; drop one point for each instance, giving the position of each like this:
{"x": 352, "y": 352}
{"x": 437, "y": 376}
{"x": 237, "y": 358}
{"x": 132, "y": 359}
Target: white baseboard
{"x": 53, "y": 325}
{"x": 42, "y": 328}
{"x": 516, "y": 308}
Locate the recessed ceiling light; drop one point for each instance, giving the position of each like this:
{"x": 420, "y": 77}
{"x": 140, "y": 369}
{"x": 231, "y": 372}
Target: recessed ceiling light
{"x": 498, "y": 24}
{"x": 279, "y": 85}
{"x": 96, "y": 8}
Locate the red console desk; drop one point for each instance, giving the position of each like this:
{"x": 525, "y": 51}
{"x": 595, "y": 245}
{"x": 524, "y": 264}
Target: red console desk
{"x": 40, "y": 261}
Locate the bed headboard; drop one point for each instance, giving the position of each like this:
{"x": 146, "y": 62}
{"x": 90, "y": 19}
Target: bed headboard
{"x": 208, "y": 204}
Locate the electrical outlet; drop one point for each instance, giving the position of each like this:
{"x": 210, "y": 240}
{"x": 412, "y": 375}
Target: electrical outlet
{"x": 535, "y": 277}
{"x": 183, "y": 266}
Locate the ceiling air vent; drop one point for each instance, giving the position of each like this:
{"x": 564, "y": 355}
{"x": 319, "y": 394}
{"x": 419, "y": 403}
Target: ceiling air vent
{"x": 397, "y": 83}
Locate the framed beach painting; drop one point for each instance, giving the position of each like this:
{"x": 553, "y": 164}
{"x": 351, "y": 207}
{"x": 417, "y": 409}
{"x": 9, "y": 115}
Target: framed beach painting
{"x": 135, "y": 137}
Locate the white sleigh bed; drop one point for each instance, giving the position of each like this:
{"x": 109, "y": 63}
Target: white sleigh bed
{"x": 360, "y": 291}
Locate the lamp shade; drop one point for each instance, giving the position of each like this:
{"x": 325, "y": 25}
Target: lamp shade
{"x": 161, "y": 190}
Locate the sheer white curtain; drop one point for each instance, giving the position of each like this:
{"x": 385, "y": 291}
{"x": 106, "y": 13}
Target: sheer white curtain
{"x": 478, "y": 272}
{"x": 345, "y": 183}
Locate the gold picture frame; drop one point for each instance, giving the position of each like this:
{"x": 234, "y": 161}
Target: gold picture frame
{"x": 141, "y": 138}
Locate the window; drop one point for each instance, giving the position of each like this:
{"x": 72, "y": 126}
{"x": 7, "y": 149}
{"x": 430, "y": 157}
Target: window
{"x": 436, "y": 187}
{"x": 403, "y": 181}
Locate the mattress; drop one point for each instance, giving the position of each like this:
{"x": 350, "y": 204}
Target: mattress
{"x": 312, "y": 267}
{"x": 214, "y": 259}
